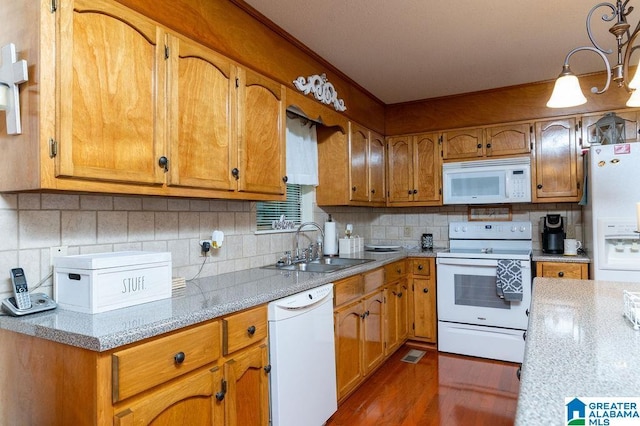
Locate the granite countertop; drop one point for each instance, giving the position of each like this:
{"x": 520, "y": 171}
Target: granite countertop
{"x": 203, "y": 299}
{"x": 579, "y": 344}
{"x": 539, "y": 256}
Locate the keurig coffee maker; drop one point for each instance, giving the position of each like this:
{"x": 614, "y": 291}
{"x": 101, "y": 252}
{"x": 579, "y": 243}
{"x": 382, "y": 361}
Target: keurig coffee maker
{"x": 553, "y": 234}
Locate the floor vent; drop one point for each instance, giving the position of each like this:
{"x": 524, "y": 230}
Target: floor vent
{"x": 413, "y": 356}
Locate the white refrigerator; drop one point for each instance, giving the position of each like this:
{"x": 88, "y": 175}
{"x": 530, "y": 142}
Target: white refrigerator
{"x": 611, "y": 223}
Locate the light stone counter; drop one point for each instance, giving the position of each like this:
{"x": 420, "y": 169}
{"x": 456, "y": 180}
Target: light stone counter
{"x": 202, "y": 300}
{"x": 579, "y": 344}
{"x": 539, "y": 256}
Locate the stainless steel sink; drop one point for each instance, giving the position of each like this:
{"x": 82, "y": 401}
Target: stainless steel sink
{"x": 324, "y": 265}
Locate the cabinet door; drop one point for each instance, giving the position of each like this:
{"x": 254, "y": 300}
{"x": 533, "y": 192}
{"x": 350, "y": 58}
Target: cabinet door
{"x": 562, "y": 270}
{"x": 359, "y": 163}
{"x": 427, "y": 168}
{"x": 261, "y": 135}
{"x": 402, "y": 310}
{"x": 396, "y": 315}
{"x": 184, "y": 401}
{"x": 508, "y": 140}
{"x": 348, "y": 325}
{"x": 556, "y": 162}
{"x": 461, "y": 144}
{"x": 373, "y": 331}
{"x": 247, "y": 381}
{"x": 424, "y": 308}
{"x": 111, "y": 79}
{"x": 400, "y": 169}
{"x": 202, "y": 95}
{"x": 376, "y": 168}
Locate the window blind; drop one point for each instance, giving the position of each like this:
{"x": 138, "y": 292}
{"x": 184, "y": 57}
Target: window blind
{"x": 269, "y": 211}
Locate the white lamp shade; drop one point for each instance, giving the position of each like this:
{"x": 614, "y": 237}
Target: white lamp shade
{"x": 566, "y": 93}
{"x": 634, "y": 99}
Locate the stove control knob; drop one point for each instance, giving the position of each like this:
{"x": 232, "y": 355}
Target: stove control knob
{"x": 522, "y": 229}
{"x": 456, "y": 229}
{"x": 514, "y": 229}
{"x": 464, "y": 229}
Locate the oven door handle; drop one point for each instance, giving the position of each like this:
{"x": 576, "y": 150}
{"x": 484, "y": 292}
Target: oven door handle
{"x": 466, "y": 262}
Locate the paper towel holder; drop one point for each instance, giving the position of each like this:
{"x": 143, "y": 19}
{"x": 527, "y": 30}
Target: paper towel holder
{"x": 12, "y": 73}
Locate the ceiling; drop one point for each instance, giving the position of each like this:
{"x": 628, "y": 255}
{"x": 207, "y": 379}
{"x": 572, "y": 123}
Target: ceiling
{"x": 405, "y": 50}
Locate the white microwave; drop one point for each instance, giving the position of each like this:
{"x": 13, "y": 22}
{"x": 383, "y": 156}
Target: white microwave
{"x": 506, "y": 180}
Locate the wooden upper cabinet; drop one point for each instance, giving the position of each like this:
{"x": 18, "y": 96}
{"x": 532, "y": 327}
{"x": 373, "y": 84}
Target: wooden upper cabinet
{"x": 261, "y": 135}
{"x": 414, "y": 170}
{"x": 202, "y": 146}
{"x": 400, "y": 169}
{"x": 111, "y": 94}
{"x": 359, "y": 164}
{"x": 510, "y": 139}
{"x": 557, "y": 171}
{"x": 462, "y": 144}
{"x": 377, "y": 168}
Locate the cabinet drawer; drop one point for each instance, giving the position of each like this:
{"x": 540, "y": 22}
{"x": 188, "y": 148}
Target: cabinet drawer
{"x": 561, "y": 270}
{"x": 348, "y": 289}
{"x": 395, "y": 271}
{"x": 373, "y": 280}
{"x": 421, "y": 267}
{"x": 148, "y": 364}
{"x": 242, "y": 329}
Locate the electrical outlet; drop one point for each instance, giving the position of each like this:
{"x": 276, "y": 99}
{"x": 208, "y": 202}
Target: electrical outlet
{"x": 57, "y": 252}
{"x": 407, "y": 231}
{"x": 202, "y": 252}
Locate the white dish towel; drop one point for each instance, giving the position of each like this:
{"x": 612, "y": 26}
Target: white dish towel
{"x": 302, "y": 153}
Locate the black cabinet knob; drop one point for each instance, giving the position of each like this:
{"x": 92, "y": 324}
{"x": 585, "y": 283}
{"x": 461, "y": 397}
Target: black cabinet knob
{"x": 519, "y": 372}
{"x": 479, "y": 146}
{"x": 415, "y": 191}
{"x": 524, "y": 336}
{"x": 251, "y": 330}
{"x": 425, "y": 290}
{"x": 410, "y": 192}
{"x": 373, "y": 191}
{"x": 420, "y": 267}
{"x": 539, "y": 186}
{"x": 561, "y": 274}
{"x": 164, "y": 163}
{"x": 179, "y": 358}
{"x": 285, "y": 179}
{"x": 399, "y": 294}
{"x": 267, "y": 368}
{"x": 488, "y": 145}
{"x": 235, "y": 173}
{"x": 353, "y": 188}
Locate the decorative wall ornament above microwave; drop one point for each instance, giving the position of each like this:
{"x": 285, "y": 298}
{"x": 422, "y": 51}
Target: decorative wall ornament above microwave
{"x": 322, "y": 90}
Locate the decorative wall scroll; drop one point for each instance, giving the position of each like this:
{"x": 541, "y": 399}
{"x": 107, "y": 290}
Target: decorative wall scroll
{"x": 322, "y": 90}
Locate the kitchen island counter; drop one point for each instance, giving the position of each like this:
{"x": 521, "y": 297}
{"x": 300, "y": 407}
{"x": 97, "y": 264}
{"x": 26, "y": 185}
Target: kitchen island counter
{"x": 579, "y": 344}
{"x": 202, "y": 299}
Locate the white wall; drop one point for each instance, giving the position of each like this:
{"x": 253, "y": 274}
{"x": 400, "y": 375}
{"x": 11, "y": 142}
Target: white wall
{"x": 32, "y": 223}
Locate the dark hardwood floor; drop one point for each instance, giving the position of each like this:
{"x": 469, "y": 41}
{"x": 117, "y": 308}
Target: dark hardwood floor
{"x": 441, "y": 389}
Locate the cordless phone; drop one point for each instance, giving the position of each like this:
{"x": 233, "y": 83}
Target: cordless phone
{"x": 20, "y": 289}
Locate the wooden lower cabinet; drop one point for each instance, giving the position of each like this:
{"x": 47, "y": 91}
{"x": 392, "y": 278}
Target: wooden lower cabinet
{"x": 191, "y": 400}
{"x": 423, "y": 300}
{"x": 179, "y": 378}
{"x": 247, "y": 387}
{"x": 562, "y": 270}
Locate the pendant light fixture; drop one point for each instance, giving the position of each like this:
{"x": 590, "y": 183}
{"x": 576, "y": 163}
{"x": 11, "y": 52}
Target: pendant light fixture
{"x": 567, "y": 91}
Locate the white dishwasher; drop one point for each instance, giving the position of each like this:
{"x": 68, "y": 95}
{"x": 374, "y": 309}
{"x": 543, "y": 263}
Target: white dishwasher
{"x": 302, "y": 357}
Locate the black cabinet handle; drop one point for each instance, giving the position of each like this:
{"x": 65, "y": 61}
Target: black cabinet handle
{"x": 539, "y": 186}
{"x": 164, "y": 163}
{"x": 488, "y": 145}
{"x": 235, "y": 173}
{"x": 267, "y": 368}
{"x": 409, "y": 192}
{"x": 251, "y": 330}
{"x": 420, "y": 267}
{"x": 399, "y": 294}
{"x": 519, "y": 372}
{"x": 179, "y": 358}
{"x": 373, "y": 191}
{"x": 353, "y": 188}
{"x": 415, "y": 191}
{"x": 425, "y": 290}
{"x": 561, "y": 274}
{"x": 479, "y": 146}
{"x": 220, "y": 395}
{"x": 524, "y": 336}
{"x": 285, "y": 179}
{"x": 527, "y": 312}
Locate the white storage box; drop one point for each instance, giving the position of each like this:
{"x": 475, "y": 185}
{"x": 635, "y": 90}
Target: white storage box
{"x": 93, "y": 283}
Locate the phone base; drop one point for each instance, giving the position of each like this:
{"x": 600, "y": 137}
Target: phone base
{"x": 39, "y": 302}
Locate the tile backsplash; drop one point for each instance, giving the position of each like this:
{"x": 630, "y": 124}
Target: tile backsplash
{"x": 32, "y": 223}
